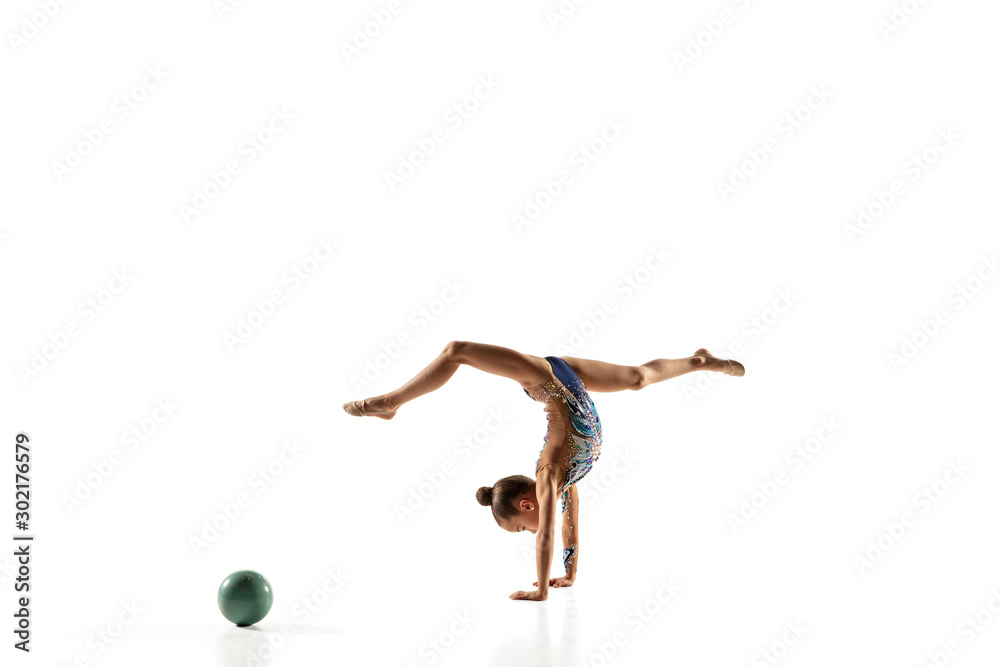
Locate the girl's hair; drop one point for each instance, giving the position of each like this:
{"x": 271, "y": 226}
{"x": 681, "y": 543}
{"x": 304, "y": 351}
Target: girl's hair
{"x": 501, "y": 496}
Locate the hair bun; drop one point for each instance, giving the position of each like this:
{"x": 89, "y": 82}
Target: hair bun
{"x": 485, "y": 495}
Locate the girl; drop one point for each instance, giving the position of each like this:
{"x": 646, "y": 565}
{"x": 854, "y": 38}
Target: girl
{"x": 571, "y": 444}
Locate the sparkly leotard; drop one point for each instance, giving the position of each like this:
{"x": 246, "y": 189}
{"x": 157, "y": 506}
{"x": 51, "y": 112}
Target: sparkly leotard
{"x": 573, "y": 439}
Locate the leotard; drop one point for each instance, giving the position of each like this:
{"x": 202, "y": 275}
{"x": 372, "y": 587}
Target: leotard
{"x": 573, "y": 438}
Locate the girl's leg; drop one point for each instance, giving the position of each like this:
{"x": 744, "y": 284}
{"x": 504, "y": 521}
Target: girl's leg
{"x": 600, "y": 376}
{"x": 526, "y": 369}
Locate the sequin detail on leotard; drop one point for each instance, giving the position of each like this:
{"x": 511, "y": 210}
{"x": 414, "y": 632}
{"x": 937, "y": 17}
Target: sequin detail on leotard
{"x": 568, "y": 554}
{"x": 583, "y": 432}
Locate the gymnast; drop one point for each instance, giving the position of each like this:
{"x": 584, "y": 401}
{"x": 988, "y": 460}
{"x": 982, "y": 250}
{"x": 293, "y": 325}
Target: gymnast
{"x": 572, "y": 442}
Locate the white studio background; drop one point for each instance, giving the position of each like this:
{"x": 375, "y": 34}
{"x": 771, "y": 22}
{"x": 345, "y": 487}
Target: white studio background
{"x": 804, "y": 186}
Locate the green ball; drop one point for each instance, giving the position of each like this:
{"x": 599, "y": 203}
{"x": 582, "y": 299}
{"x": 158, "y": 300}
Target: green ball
{"x": 245, "y": 597}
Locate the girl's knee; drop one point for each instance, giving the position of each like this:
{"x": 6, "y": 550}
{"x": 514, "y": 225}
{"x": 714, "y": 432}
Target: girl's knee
{"x": 456, "y": 350}
{"x": 640, "y": 377}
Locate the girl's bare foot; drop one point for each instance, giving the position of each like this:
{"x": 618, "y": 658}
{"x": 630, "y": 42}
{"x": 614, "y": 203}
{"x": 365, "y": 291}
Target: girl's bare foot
{"x": 376, "y": 406}
{"x": 712, "y": 363}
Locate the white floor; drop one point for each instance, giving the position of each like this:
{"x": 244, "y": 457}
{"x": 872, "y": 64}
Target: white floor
{"x": 189, "y": 300}
{"x": 662, "y": 576}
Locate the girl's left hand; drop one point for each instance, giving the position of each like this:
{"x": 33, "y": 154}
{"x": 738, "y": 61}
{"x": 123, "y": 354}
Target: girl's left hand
{"x": 558, "y": 582}
{"x": 527, "y": 595}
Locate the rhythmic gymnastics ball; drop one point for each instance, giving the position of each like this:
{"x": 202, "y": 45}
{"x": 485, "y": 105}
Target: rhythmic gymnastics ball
{"x": 245, "y": 597}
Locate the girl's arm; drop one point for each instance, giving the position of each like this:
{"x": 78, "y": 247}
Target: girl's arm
{"x": 547, "y": 492}
{"x": 570, "y": 535}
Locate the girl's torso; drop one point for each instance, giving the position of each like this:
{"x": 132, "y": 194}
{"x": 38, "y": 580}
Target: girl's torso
{"x": 573, "y": 439}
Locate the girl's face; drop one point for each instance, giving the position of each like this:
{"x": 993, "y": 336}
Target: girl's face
{"x": 526, "y": 520}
